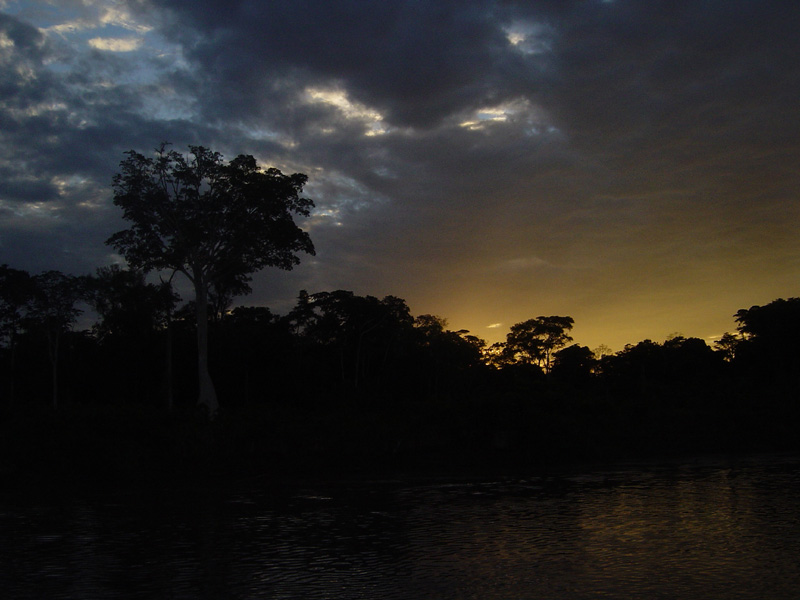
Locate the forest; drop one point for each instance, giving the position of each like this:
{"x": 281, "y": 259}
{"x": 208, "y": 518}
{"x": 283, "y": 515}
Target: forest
{"x": 150, "y": 385}
{"x": 349, "y": 383}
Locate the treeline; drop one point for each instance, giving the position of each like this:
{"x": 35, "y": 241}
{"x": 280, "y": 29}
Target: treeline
{"x": 332, "y": 346}
{"x": 351, "y": 380}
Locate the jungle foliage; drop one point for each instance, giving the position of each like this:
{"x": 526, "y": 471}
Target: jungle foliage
{"x": 350, "y": 381}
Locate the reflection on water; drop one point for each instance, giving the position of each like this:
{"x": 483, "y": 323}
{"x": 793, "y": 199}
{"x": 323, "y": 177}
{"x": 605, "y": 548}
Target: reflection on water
{"x": 709, "y": 529}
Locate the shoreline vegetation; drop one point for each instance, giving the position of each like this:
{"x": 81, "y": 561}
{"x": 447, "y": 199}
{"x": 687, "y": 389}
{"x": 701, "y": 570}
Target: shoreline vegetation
{"x": 355, "y": 386}
{"x": 121, "y": 446}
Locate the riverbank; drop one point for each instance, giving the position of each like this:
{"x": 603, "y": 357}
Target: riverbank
{"x": 130, "y": 445}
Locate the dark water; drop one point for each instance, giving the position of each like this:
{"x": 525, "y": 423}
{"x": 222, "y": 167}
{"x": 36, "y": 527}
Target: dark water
{"x": 708, "y": 528}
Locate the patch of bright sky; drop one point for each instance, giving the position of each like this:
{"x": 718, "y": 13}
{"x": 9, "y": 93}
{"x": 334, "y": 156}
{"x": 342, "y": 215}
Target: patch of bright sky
{"x": 336, "y": 190}
{"x": 336, "y": 195}
{"x": 529, "y": 38}
{"x": 35, "y": 110}
{"x": 82, "y": 189}
{"x": 261, "y": 134}
{"x": 64, "y": 184}
{"x": 128, "y": 44}
{"x": 384, "y": 171}
{"x": 105, "y": 26}
{"x": 351, "y": 110}
{"x": 39, "y": 210}
{"x": 520, "y": 110}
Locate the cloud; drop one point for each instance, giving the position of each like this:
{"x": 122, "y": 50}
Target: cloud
{"x": 524, "y": 264}
{"x": 467, "y": 156}
{"x": 414, "y": 63}
{"x": 128, "y": 44}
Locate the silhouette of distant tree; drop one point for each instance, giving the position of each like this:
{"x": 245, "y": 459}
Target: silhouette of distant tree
{"x": 221, "y": 295}
{"x": 133, "y": 325}
{"x": 255, "y": 355}
{"x": 214, "y": 222}
{"x": 358, "y": 333}
{"x": 634, "y": 367}
{"x": 16, "y": 290}
{"x": 126, "y": 304}
{"x": 447, "y": 357}
{"x": 726, "y": 345}
{"x": 52, "y": 311}
{"x": 778, "y": 321}
{"x": 574, "y": 364}
{"x": 770, "y": 336}
{"x": 691, "y": 363}
{"x": 534, "y": 341}
{"x": 680, "y": 369}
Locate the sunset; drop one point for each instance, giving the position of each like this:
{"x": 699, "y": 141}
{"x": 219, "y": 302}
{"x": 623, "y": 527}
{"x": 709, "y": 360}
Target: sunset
{"x": 400, "y": 299}
{"x": 630, "y": 164}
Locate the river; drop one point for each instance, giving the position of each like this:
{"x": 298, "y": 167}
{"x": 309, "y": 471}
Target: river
{"x": 702, "y": 528}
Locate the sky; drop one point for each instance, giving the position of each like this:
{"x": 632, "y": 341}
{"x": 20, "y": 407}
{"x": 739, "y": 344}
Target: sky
{"x": 633, "y": 164}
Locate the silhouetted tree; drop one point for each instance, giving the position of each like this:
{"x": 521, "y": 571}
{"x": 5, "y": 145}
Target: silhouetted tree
{"x": 770, "y": 337}
{"x": 255, "y": 355}
{"x": 726, "y": 345}
{"x": 221, "y": 295}
{"x": 689, "y": 358}
{"x": 132, "y": 315}
{"x": 126, "y": 304}
{"x": 495, "y": 355}
{"x": 634, "y": 367}
{"x": 534, "y": 341}
{"x": 16, "y": 290}
{"x": 778, "y": 321}
{"x": 216, "y": 223}
{"x": 359, "y": 331}
{"x": 449, "y": 357}
{"x": 574, "y": 364}
{"x": 678, "y": 371}
{"x": 52, "y": 311}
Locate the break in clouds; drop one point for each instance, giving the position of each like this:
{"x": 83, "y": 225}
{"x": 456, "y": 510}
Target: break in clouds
{"x": 488, "y": 161}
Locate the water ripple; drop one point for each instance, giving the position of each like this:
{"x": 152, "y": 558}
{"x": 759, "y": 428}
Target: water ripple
{"x": 695, "y": 530}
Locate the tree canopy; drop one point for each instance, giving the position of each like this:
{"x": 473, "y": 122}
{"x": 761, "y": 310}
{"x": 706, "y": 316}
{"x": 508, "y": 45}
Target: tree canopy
{"x": 534, "y": 341}
{"x": 215, "y": 222}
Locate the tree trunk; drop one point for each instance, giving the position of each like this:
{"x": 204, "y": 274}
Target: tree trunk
{"x": 168, "y": 365}
{"x": 12, "y": 365}
{"x": 208, "y": 395}
{"x": 53, "y": 340}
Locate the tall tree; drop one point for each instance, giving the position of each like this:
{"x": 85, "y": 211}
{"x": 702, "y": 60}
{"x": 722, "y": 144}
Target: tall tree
{"x": 215, "y": 222}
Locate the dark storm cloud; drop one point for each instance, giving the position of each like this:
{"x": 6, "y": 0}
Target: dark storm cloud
{"x": 416, "y": 62}
{"x": 27, "y": 40}
{"x": 18, "y": 187}
{"x": 666, "y": 76}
